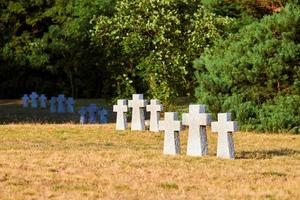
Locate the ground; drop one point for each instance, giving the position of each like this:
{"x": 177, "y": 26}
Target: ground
{"x": 71, "y": 161}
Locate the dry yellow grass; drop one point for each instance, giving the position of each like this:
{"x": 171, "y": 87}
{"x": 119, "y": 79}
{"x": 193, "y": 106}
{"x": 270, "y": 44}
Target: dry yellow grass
{"x": 96, "y": 162}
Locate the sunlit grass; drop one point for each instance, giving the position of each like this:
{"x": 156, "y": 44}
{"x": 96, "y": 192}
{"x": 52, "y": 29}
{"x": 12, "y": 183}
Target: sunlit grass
{"x": 93, "y": 161}
{"x": 71, "y": 161}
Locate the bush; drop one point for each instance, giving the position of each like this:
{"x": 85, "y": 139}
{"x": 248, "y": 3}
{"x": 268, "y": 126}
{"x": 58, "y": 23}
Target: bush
{"x": 281, "y": 114}
{"x": 248, "y": 72}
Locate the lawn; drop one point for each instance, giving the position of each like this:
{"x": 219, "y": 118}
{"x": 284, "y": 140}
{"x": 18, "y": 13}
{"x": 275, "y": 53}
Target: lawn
{"x": 71, "y": 161}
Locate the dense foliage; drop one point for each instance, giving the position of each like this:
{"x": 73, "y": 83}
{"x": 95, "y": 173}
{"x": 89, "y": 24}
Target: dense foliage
{"x": 246, "y": 51}
{"x": 156, "y": 42}
{"x": 255, "y": 73}
{"x": 48, "y": 44}
{"x": 255, "y": 8}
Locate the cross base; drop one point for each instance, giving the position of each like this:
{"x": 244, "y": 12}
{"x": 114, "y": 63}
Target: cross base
{"x": 172, "y": 143}
{"x": 225, "y": 146}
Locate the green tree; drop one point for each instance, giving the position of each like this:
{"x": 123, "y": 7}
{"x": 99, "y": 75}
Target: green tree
{"x": 253, "y": 69}
{"x": 150, "y": 44}
{"x": 237, "y": 8}
{"x": 53, "y": 37}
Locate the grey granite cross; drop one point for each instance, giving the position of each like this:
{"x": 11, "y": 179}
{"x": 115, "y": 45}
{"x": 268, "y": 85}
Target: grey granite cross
{"x": 25, "y": 101}
{"x": 33, "y": 98}
{"x": 224, "y": 127}
{"x": 43, "y": 101}
{"x": 103, "y": 116}
{"x": 171, "y": 125}
{"x": 61, "y": 99}
{"x": 53, "y": 105}
{"x": 138, "y": 116}
{"x": 83, "y": 115}
{"x": 197, "y": 120}
{"x": 70, "y": 104}
{"x": 92, "y": 111}
{"x": 121, "y": 109}
{"x": 154, "y": 108}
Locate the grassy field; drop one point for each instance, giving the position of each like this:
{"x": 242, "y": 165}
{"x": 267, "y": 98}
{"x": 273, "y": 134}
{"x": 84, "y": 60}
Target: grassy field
{"x": 71, "y": 161}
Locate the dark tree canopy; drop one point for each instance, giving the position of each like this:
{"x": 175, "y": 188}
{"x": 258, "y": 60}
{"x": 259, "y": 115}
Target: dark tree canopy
{"x": 48, "y": 44}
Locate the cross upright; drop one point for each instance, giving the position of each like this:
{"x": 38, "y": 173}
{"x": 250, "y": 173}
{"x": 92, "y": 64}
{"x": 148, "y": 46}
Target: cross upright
{"x": 43, "y": 101}
{"x": 70, "y": 105}
{"x": 171, "y": 125}
{"x": 103, "y": 113}
{"x": 92, "y": 111}
{"x": 25, "y": 100}
{"x": 197, "y": 120}
{"x": 154, "y": 108}
{"x": 34, "y": 97}
{"x": 83, "y": 112}
{"x": 138, "y": 116}
{"x": 61, "y": 99}
{"x": 121, "y": 109}
{"x": 53, "y": 105}
{"x": 224, "y": 127}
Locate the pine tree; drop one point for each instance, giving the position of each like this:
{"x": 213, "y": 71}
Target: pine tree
{"x": 254, "y": 68}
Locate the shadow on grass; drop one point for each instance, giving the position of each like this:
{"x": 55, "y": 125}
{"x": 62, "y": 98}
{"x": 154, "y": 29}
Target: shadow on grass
{"x": 11, "y": 111}
{"x": 266, "y": 154}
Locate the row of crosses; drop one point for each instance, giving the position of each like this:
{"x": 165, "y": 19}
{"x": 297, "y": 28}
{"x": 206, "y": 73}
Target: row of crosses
{"x": 138, "y": 116}
{"x": 33, "y": 99}
{"x": 59, "y": 104}
{"x": 88, "y": 114}
{"x": 197, "y": 121}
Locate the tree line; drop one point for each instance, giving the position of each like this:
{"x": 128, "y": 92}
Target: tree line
{"x": 232, "y": 55}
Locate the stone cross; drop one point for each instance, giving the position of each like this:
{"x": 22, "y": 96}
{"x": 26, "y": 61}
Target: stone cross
{"x": 25, "y": 101}
{"x": 33, "y": 98}
{"x": 61, "y": 99}
{"x": 224, "y": 127}
{"x": 171, "y": 125}
{"x": 138, "y": 116}
{"x": 70, "y": 104}
{"x": 154, "y": 108}
{"x": 43, "y": 101}
{"x": 103, "y": 113}
{"x": 121, "y": 109}
{"x": 53, "y": 105}
{"x": 92, "y": 110}
{"x": 197, "y": 120}
{"x": 83, "y": 114}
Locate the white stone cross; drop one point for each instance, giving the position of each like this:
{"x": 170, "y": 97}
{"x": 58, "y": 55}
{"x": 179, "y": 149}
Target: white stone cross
{"x": 34, "y": 97}
{"x": 197, "y": 120}
{"x": 53, "y": 105}
{"x": 25, "y": 101}
{"x": 92, "y": 110}
{"x": 171, "y": 125}
{"x": 103, "y": 116}
{"x": 70, "y": 104}
{"x": 154, "y": 108}
{"x": 61, "y": 103}
{"x": 121, "y": 109}
{"x": 83, "y": 112}
{"x": 43, "y": 101}
{"x": 224, "y": 127}
{"x": 138, "y": 115}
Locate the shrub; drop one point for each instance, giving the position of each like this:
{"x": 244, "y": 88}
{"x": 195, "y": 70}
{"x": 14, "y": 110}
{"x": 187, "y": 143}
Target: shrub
{"x": 281, "y": 114}
{"x": 247, "y": 72}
